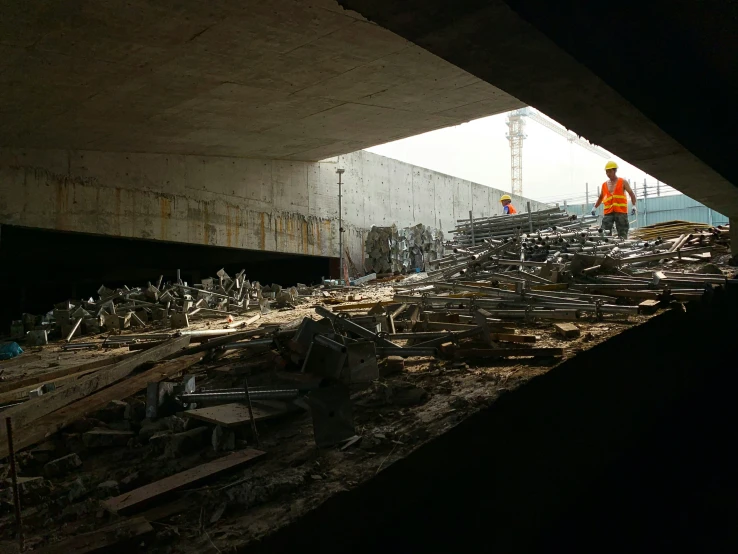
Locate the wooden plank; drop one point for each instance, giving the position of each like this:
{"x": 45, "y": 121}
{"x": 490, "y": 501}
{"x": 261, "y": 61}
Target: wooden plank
{"x": 510, "y": 337}
{"x": 19, "y": 389}
{"x": 362, "y": 306}
{"x": 507, "y": 352}
{"x": 567, "y": 330}
{"x": 122, "y": 533}
{"x": 55, "y": 421}
{"x": 37, "y": 408}
{"x": 232, "y": 415}
{"x": 136, "y": 499}
{"x": 648, "y": 306}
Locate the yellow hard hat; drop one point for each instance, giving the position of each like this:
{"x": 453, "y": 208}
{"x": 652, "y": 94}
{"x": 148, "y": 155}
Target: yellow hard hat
{"x": 611, "y": 165}
{"x": 505, "y": 197}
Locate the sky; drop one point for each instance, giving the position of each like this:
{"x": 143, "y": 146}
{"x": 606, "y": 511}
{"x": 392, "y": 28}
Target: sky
{"x": 553, "y": 168}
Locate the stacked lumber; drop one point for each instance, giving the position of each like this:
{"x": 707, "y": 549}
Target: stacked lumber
{"x": 669, "y": 230}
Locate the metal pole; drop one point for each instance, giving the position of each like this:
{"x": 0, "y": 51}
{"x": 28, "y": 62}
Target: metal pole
{"x": 530, "y": 218}
{"x": 471, "y": 219}
{"x": 658, "y": 188}
{"x": 14, "y": 476}
{"x": 645, "y": 203}
{"x": 251, "y": 411}
{"x": 586, "y": 194}
{"x": 340, "y": 227}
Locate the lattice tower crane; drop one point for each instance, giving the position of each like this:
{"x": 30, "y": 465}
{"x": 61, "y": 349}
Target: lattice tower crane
{"x": 516, "y": 126}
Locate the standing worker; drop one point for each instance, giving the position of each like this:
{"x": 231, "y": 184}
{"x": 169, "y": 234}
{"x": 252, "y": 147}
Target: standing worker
{"x": 507, "y": 207}
{"x": 615, "y": 201}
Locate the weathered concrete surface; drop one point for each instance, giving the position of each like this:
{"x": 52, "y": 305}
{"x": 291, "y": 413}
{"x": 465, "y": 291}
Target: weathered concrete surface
{"x": 284, "y": 79}
{"x": 269, "y": 205}
{"x": 655, "y": 86}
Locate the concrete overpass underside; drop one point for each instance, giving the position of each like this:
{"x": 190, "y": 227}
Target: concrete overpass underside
{"x": 285, "y": 79}
{"x": 653, "y": 82}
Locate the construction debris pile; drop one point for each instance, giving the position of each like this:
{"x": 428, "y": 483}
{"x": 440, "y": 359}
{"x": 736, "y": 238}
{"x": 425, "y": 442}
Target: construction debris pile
{"x": 409, "y": 249}
{"x": 172, "y": 304}
{"x": 130, "y": 435}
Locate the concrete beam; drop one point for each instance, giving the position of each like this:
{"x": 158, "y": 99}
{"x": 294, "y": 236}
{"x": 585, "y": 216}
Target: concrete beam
{"x": 609, "y": 75}
{"x": 269, "y": 205}
{"x": 284, "y": 79}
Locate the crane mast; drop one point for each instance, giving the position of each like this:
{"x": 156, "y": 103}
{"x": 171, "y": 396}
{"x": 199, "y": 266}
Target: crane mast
{"x": 515, "y": 135}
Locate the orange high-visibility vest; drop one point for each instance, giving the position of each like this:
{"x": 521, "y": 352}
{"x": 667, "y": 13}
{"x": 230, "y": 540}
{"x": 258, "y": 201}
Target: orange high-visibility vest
{"x": 511, "y": 210}
{"x": 617, "y": 202}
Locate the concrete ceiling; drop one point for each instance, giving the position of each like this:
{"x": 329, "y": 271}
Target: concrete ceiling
{"x": 284, "y": 79}
{"x": 654, "y": 83}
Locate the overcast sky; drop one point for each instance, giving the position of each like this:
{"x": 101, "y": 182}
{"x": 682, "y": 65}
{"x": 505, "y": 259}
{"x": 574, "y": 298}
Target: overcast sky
{"x": 553, "y": 168}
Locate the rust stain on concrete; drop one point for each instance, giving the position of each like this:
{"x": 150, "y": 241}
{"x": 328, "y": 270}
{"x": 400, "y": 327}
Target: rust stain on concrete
{"x": 165, "y": 210}
{"x": 62, "y": 205}
{"x": 229, "y": 224}
{"x": 305, "y": 237}
{"x": 263, "y": 232}
{"x": 205, "y": 223}
{"x": 117, "y": 214}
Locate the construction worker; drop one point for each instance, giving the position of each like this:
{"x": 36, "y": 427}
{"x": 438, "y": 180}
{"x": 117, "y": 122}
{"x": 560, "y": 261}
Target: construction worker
{"x": 507, "y": 207}
{"x": 615, "y": 202}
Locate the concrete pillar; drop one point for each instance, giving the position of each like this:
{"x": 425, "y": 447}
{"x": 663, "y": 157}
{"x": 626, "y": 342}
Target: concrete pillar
{"x": 734, "y": 236}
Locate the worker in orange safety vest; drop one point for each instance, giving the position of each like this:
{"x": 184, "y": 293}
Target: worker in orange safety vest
{"x": 613, "y": 198}
{"x": 507, "y": 207}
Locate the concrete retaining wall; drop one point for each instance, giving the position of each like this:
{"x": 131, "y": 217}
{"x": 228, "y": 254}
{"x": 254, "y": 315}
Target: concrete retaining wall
{"x": 273, "y": 205}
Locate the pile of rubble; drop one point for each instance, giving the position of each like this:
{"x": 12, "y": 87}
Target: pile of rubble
{"x": 164, "y": 409}
{"x": 169, "y": 304}
{"x": 390, "y": 250}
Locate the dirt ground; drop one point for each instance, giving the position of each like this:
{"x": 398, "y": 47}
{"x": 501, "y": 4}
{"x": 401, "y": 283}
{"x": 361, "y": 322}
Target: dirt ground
{"x": 393, "y": 416}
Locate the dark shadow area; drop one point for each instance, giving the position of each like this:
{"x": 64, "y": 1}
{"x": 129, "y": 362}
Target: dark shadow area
{"x": 630, "y": 446}
{"x": 39, "y": 268}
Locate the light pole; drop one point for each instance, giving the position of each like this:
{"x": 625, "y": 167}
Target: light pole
{"x": 340, "y": 227}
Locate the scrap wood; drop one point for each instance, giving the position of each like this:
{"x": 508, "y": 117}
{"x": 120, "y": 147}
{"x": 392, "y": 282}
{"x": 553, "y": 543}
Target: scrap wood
{"x": 37, "y": 408}
{"x": 362, "y": 306}
{"x": 128, "y": 532}
{"x": 649, "y": 306}
{"x": 511, "y": 337}
{"x": 51, "y": 375}
{"x": 567, "y": 330}
{"x": 234, "y": 414}
{"x": 45, "y": 426}
{"x": 137, "y": 499}
{"x": 507, "y": 352}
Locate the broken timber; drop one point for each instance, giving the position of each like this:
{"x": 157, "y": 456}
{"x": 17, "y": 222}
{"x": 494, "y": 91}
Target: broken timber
{"x": 37, "y": 408}
{"x": 137, "y": 499}
{"x": 233, "y": 415}
{"x": 55, "y": 421}
{"x": 567, "y": 330}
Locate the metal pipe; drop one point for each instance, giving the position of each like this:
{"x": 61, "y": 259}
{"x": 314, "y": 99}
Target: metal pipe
{"x": 248, "y": 344}
{"x": 329, "y": 343}
{"x": 352, "y": 327}
{"x": 406, "y": 351}
{"x": 239, "y": 394}
{"x": 340, "y": 226}
{"x": 14, "y": 477}
{"x": 251, "y": 410}
{"x": 74, "y": 329}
